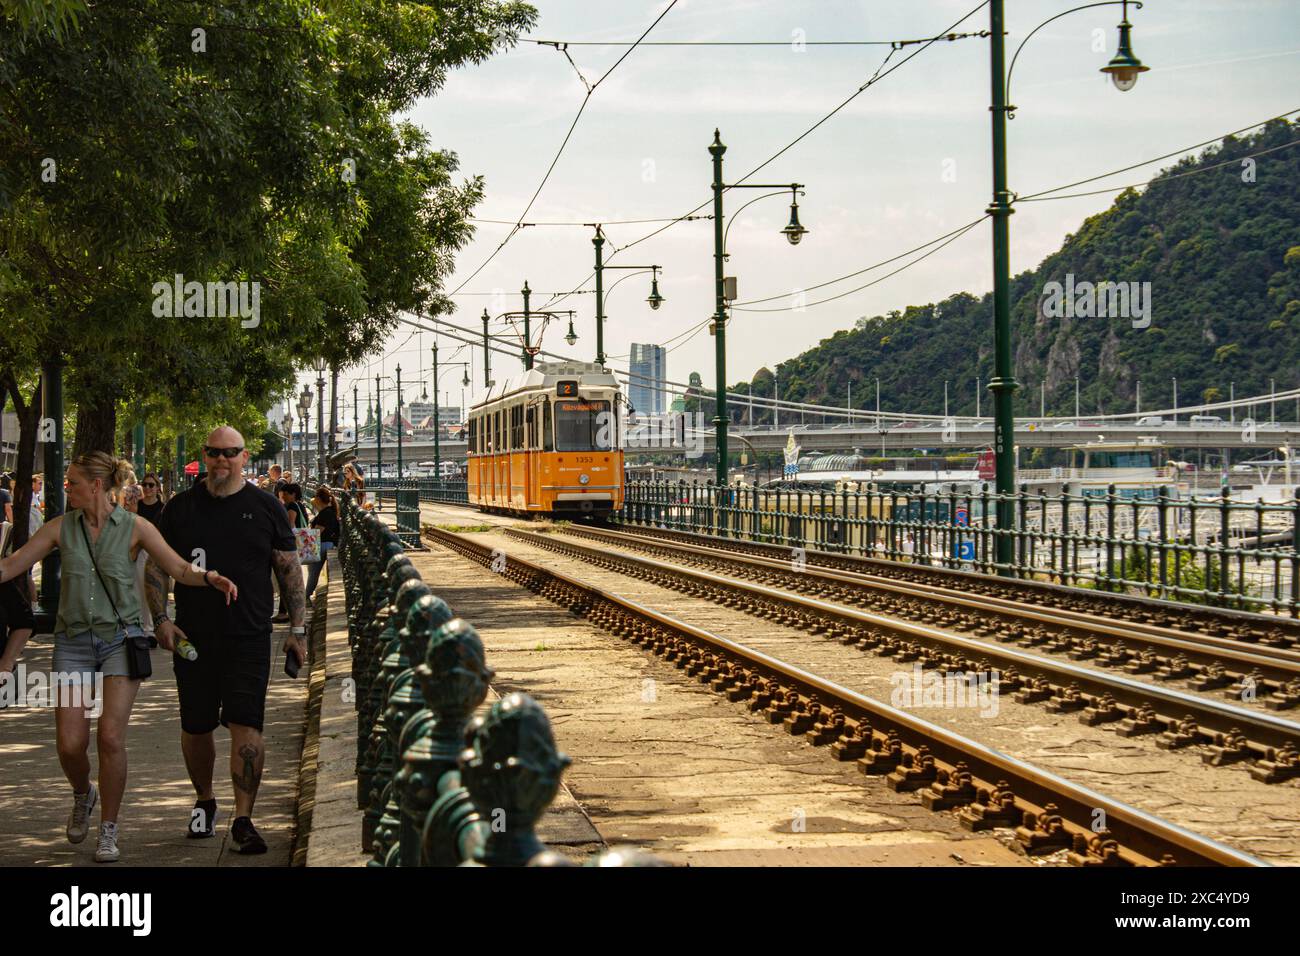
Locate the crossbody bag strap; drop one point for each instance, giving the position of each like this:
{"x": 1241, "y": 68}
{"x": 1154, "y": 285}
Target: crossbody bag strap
{"x": 95, "y": 564}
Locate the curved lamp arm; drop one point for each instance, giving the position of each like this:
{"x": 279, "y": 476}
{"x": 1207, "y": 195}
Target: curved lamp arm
{"x": 1011, "y": 110}
{"x": 727, "y": 231}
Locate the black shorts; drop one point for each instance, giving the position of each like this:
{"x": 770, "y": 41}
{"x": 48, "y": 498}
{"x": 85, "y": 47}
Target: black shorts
{"x": 227, "y": 684}
{"x": 15, "y": 612}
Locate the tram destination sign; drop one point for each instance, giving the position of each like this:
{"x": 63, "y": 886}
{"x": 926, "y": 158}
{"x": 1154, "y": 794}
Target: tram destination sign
{"x": 566, "y": 389}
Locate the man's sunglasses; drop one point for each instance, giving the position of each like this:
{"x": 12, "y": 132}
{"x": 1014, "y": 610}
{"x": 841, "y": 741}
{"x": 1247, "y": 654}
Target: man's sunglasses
{"x": 221, "y": 452}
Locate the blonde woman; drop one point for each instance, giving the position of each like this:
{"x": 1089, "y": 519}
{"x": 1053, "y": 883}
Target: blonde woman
{"x": 98, "y": 620}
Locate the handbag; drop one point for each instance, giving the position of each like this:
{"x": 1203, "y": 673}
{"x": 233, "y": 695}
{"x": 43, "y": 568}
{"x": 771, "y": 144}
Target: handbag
{"x": 138, "y": 662}
{"x": 308, "y": 545}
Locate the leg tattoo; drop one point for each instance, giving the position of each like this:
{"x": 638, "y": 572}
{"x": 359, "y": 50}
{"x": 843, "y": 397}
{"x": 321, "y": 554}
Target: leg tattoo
{"x": 250, "y": 777}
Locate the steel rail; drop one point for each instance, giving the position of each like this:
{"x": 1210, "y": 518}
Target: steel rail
{"x": 1051, "y": 807}
{"x": 1085, "y": 688}
{"x": 1250, "y": 625}
{"x": 1273, "y": 663}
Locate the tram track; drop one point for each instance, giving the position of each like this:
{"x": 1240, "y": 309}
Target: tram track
{"x": 1232, "y": 734}
{"x": 1263, "y": 674}
{"x": 1246, "y": 627}
{"x": 984, "y": 787}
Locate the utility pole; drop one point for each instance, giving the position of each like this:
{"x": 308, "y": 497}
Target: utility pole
{"x": 334, "y": 408}
{"x": 716, "y": 150}
{"x": 1175, "y": 399}
{"x": 1003, "y": 385}
{"x": 977, "y": 396}
{"x": 528, "y": 338}
{"x": 487, "y": 355}
{"x": 437, "y": 418}
{"x": 379, "y": 434}
{"x": 1137, "y": 397}
{"x": 320, "y": 422}
{"x": 400, "y": 429}
{"x": 1076, "y": 400}
{"x": 599, "y": 243}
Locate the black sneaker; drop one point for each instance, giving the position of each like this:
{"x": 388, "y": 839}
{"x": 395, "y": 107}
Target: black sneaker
{"x": 203, "y": 819}
{"x": 245, "y": 836}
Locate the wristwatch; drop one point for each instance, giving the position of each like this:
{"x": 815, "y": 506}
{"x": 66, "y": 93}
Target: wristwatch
{"x": 298, "y": 631}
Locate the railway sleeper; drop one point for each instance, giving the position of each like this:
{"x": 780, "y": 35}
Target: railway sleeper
{"x": 941, "y": 788}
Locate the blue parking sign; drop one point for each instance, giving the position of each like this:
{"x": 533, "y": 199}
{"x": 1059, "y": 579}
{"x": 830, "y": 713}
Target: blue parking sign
{"x": 965, "y": 551}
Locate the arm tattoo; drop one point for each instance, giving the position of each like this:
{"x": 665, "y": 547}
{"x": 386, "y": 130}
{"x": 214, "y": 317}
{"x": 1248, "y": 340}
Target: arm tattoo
{"x": 155, "y": 589}
{"x": 289, "y": 571}
{"x": 250, "y": 776}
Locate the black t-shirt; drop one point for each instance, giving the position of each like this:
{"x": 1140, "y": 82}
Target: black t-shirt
{"x": 327, "y": 519}
{"x": 237, "y": 535}
{"x": 150, "y": 512}
{"x": 5, "y": 499}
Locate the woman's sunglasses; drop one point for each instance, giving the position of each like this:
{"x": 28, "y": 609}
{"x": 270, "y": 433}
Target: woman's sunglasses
{"x": 221, "y": 452}
{"x": 148, "y": 484}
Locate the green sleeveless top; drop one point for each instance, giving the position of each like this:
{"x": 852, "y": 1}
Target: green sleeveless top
{"x": 83, "y": 604}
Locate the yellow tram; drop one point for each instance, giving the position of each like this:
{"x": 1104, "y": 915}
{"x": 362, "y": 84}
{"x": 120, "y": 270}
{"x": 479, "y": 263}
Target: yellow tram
{"x": 548, "y": 441}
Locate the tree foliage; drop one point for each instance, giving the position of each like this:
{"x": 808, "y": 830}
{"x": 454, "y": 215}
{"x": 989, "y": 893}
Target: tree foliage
{"x": 254, "y": 142}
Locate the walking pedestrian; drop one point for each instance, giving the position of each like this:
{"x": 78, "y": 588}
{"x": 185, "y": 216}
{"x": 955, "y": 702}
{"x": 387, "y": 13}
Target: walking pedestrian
{"x": 97, "y": 628}
{"x": 6, "y": 500}
{"x": 291, "y": 497}
{"x": 151, "y": 501}
{"x": 327, "y": 520}
{"x": 16, "y": 620}
{"x": 245, "y": 530}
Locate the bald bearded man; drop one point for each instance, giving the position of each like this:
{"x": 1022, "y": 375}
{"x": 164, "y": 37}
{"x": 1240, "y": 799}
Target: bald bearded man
{"x": 225, "y": 522}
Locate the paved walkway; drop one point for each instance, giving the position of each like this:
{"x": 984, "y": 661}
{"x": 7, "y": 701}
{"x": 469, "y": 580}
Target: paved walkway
{"x": 35, "y": 797}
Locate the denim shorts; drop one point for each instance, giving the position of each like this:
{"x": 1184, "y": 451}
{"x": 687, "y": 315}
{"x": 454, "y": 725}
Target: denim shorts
{"x": 87, "y": 653}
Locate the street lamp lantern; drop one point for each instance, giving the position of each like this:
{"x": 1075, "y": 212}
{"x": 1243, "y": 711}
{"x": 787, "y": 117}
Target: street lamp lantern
{"x": 794, "y": 230}
{"x": 571, "y": 336}
{"x": 464, "y": 381}
{"x": 1124, "y": 67}
{"x": 655, "y": 299}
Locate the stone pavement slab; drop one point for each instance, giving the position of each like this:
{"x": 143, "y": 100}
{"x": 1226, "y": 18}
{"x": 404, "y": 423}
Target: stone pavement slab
{"x": 35, "y": 798}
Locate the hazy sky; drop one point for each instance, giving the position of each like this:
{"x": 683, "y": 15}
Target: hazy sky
{"x": 904, "y": 163}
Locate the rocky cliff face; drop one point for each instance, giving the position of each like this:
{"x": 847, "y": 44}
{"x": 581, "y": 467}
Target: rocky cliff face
{"x": 1215, "y": 255}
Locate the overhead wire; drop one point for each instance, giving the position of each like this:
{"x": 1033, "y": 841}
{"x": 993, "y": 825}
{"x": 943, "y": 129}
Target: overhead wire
{"x": 591, "y": 88}
{"x": 876, "y": 77}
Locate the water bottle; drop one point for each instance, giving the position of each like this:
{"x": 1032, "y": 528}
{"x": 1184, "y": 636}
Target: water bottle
{"x": 186, "y": 650}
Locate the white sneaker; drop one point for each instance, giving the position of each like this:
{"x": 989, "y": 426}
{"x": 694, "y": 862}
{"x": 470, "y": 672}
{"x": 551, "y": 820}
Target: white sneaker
{"x": 79, "y": 818}
{"x": 106, "y": 851}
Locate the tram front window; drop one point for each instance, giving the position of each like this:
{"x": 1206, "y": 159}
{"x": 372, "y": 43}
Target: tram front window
{"x": 583, "y": 426}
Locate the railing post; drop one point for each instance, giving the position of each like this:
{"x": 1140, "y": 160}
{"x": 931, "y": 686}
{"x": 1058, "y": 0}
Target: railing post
{"x": 512, "y": 773}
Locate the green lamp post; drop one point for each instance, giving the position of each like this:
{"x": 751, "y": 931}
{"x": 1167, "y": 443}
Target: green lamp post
{"x": 654, "y": 299}
{"x": 1123, "y": 69}
{"x": 793, "y": 232}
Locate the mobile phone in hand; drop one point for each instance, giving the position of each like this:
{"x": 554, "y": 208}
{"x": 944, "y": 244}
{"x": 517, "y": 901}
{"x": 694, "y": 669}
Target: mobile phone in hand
{"x": 291, "y": 663}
